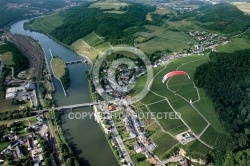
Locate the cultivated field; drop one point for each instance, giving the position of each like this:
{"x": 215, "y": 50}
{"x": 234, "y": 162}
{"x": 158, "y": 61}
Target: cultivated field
{"x": 46, "y": 24}
{"x": 243, "y": 6}
{"x": 162, "y": 38}
{"x": 58, "y": 67}
{"x": 176, "y": 94}
{"x": 235, "y": 44}
{"x": 197, "y": 147}
{"x": 164, "y": 143}
{"x": 109, "y": 4}
{"x": 90, "y": 46}
{"x": 174, "y": 126}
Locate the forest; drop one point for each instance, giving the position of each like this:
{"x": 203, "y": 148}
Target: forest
{"x": 116, "y": 28}
{"x": 224, "y": 18}
{"x": 66, "y": 79}
{"x": 226, "y": 81}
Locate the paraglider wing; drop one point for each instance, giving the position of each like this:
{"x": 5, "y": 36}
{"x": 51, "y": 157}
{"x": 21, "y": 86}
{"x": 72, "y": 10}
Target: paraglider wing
{"x": 173, "y": 73}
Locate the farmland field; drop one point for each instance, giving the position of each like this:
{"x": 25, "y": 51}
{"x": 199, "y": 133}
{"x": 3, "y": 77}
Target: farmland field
{"x": 46, "y": 24}
{"x": 109, "y": 4}
{"x": 161, "y": 44}
{"x": 243, "y": 6}
{"x": 164, "y": 143}
{"x": 235, "y": 44}
{"x": 214, "y": 138}
{"x": 198, "y": 147}
{"x": 92, "y": 39}
{"x": 181, "y": 91}
{"x": 90, "y": 46}
{"x": 167, "y": 123}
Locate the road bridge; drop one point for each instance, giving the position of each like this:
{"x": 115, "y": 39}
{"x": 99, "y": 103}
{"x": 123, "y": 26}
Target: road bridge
{"x": 68, "y": 107}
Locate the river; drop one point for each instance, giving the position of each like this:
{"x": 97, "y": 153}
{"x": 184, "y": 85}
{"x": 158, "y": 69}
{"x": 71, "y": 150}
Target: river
{"x": 84, "y": 135}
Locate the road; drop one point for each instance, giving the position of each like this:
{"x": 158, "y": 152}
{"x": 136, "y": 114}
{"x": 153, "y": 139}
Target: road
{"x": 119, "y": 140}
{"x": 68, "y": 107}
{"x": 141, "y": 141}
{"x": 53, "y": 140}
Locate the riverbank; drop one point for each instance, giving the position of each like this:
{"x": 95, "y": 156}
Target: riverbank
{"x": 83, "y": 136}
{"x": 57, "y": 41}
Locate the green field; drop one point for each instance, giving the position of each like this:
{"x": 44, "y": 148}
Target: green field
{"x": 174, "y": 126}
{"x": 7, "y": 58}
{"x": 92, "y": 39}
{"x": 6, "y": 104}
{"x": 235, "y": 44}
{"x": 164, "y": 143}
{"x": 58, "y": 67}
{"x": 46, "y": 24}
{"x": 3, "y": 145}
{"x": 161, "y": 44}
{"x": 197, "y": 147}
{"x": 181, "y": 91}
{"x": 214, "y": 138}
{"x": 90, "y": 46}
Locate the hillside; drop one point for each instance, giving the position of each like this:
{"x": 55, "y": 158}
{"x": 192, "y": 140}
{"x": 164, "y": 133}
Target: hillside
{"x": 225, "y": 18}
{"x": 229, "y": 91}
{"x": 83, "y": 20}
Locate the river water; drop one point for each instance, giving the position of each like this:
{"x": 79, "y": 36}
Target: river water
{"x": 84, "y": 135}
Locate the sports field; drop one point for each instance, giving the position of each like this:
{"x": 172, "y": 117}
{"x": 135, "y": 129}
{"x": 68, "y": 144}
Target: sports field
{"x": 175, "y": 95}
{"x": 58, "y": 67}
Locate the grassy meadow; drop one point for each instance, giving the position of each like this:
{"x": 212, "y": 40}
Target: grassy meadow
{"x": 58, "y": 67}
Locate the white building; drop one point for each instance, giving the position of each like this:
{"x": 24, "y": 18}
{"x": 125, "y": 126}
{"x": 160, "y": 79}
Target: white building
{"x": 11, "y": 93}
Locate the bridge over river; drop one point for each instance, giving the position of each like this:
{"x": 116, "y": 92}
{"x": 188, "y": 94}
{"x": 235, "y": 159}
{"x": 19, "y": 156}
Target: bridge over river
{"x": 68, "y": 107}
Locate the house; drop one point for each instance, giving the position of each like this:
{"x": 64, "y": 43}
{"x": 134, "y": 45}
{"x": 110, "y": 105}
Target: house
{"x": 187, "y": 163}
{"x": 17, "y": 152}
{"x": 10, "y": 93}
{"x": 30, "y": 86}
{"x": 137, "y": 148}
{"x": 132, "y": 135}
{"x": 39, "y": 119}
{"x": 111, "y": 107}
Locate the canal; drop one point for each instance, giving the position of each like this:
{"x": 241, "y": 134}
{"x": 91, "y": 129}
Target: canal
{"x": 84, "y": 135}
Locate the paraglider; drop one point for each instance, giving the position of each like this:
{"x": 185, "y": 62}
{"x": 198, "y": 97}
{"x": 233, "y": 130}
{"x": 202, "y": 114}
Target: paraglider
{"x": 173, "y": 73}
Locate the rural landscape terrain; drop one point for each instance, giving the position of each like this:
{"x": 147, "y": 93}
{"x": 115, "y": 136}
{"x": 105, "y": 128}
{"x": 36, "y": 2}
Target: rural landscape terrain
{"x": 186, "y": 61}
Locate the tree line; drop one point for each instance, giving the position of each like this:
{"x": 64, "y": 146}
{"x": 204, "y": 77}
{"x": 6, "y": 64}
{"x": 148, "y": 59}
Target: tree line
{"x": 80, "y": 21}
{"x": 21, "y": 62}
{"x": 224, "y": 18}
{"x": 226, "y": 81}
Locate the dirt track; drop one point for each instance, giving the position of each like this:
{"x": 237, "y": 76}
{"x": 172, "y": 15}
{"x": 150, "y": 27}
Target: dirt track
{"x": 31, "y": 49}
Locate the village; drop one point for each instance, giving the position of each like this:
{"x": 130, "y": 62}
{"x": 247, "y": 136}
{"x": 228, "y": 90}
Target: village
{"x": 25, "y": 140}
{"x": 207, "y": 40}
{"x": 127, "y": 135}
